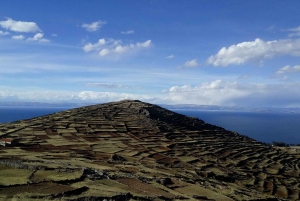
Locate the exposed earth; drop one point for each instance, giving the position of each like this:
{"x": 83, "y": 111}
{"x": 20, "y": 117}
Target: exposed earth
{"x": 131, "y": 150}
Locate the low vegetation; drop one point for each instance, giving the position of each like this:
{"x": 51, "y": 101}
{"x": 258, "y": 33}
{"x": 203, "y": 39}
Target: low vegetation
{"x": 131, "y": 150}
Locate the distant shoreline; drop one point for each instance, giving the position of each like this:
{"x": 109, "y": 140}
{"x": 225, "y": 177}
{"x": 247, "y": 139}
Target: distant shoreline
{"x": 169, "y": 107}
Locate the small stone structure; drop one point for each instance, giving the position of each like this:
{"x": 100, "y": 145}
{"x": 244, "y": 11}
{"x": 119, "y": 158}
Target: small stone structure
{"x": 7, "y": 142}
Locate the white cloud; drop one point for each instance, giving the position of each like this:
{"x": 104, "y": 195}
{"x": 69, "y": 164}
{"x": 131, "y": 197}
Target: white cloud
{"x": 221, "y": 92}
{"x": 214, "y": 93}
{"x": 122, "y": 49}
{"x": 101, "y": 42}
{"x": 294, "y": 31}
{"x": 190, "y": 64}
{"x": 170, "y": 56}
{"x": 127, "y": 32}
{"x": 104, "y": 52}
{"x": 94, "y": 26}
{"x": 289, "y": 69}
{"x": 38, "y": 37}
{"x": 13, "y": 94}
{"x": 254, "y": 50}
{"x": 92, "y": 96}
{"x": 4, "y": 33}
{"x": 18, "y": 37}
{"x": 106, "y": 47}
{"x": 19, "y": 26}
{"x": 144, "y": 44}
{"x": 217, "y": 92}
{"x": 54, "y": 35}
{"x": 36, "y": 95}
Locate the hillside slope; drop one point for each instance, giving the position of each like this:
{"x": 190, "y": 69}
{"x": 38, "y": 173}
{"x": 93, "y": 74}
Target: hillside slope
{"x": 131, "y": 150}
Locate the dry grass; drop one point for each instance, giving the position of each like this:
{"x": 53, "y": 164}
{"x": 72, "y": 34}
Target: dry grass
{"x": 11, "y": 176}
{"x": 52, "y": 175}
{"x": 201, "y": 161}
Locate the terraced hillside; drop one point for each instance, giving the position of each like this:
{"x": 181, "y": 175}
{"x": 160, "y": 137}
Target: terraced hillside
{"x": 130, "y": 150}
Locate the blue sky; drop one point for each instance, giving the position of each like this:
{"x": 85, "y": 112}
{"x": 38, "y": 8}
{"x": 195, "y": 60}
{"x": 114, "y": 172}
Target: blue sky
{"x": 231, "y": 53}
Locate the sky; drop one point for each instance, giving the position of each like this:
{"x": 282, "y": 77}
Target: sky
{"x": 227, "y": 53}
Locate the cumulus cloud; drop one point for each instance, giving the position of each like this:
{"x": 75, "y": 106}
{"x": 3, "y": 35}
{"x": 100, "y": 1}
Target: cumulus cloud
{"x": 94, "y": 26}
{"x": 288, "y": 69}
{"x": 18, "y": 37}
{"x": 127, "y": 32}
{"x": 38, "y": 37}
{"x": 170, "y": 56}
{"x": 294, "y": 32}
{"x": 19, "y": 26}
{"x": 254, "y": 50}
{"x": 106, "y": 47}
{"x": 4, "y": 33}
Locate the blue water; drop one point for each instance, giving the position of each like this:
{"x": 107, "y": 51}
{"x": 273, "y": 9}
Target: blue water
{"x": 11, "y": 113}
{"x": 264, "y": 127}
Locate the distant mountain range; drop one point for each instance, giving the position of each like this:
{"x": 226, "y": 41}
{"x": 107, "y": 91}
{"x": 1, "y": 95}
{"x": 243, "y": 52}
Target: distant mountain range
{"x": 42, "y": 104}
{"x": 229, "y": 108}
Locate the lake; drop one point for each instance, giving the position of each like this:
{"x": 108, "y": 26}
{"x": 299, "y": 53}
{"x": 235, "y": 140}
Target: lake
{"x": 262, "y": 126}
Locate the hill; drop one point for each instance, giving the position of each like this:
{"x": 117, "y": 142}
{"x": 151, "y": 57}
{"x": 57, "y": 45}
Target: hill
{"x": 131, "y": 150}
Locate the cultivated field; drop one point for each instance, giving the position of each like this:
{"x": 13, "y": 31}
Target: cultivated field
{"x": 138, "y": 151}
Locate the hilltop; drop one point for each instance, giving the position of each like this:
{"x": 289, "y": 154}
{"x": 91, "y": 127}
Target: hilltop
{"x": 131, "y": 150}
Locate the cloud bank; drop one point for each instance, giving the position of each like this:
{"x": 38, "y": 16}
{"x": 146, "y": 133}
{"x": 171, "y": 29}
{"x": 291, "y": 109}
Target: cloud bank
{"x": 227, "y": 93}
{"x": 217, "y": 92}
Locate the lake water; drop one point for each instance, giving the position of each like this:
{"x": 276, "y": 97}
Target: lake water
{"x": 11, "y": 113}
{"x": 265, "y": 127}
{"x": 262, "y": 126}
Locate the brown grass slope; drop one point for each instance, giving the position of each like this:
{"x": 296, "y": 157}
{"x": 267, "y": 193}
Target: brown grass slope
{"x": 131, "y": 150}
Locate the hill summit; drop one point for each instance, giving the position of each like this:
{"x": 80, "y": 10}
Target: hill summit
{"x": 131, "y": 150}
